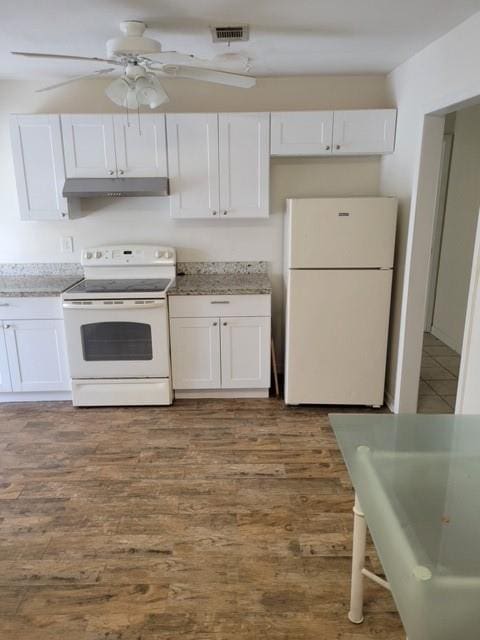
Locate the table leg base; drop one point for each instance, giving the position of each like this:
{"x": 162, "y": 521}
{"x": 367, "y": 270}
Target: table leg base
{"x": 355, "y": 620}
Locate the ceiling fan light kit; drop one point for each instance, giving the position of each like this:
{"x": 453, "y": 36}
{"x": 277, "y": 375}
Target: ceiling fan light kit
{"x": 139, "y": 84}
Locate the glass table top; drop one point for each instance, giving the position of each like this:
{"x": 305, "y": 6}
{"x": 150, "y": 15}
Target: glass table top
{"x": 418, "y": 481}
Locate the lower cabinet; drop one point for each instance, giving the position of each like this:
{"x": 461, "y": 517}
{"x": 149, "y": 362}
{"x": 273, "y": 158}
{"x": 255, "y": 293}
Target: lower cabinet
{"x": 33, "y": 357}
{"x": 195, "y": 353}
{"x": 36, "y": 355}
{"x": 220, "y": 352}
{"x": 245, "y": 352}
{"x": 5, "y": 383}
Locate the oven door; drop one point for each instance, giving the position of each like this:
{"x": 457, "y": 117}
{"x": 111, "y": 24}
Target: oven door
{"x": 117, "y": 338}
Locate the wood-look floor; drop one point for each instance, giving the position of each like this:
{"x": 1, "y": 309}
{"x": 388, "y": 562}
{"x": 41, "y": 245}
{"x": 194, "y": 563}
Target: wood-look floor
{"x": 208, "y": 520}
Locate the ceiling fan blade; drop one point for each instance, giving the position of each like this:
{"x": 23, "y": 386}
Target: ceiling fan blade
{"x": 101, "y": 72}
{"x": 209, "y": 75}
{"x": 61, "y": 56}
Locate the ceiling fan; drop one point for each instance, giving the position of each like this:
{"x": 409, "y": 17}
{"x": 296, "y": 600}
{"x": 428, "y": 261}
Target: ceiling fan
{"x": 139, "y": 83}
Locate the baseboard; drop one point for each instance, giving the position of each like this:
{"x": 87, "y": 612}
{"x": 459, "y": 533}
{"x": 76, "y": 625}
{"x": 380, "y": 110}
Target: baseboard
{"x": 221, "y": 393}
{"x": 39, "y": 396}
{"x": 438, "y": 333}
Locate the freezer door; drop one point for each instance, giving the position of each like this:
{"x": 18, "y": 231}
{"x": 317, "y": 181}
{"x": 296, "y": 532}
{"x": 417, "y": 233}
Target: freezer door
{"x": 336, "y": 336}
{"x": 335, "y": 233}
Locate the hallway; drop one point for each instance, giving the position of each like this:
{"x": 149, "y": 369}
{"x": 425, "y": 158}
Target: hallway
{"x": 438, "y": 377}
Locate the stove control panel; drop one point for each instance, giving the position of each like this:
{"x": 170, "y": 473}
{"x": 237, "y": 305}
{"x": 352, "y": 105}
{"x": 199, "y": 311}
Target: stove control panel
{"x": 141, "y": 255}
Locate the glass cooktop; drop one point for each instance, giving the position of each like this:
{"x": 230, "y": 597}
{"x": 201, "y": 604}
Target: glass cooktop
{"x": 131, "y": 285}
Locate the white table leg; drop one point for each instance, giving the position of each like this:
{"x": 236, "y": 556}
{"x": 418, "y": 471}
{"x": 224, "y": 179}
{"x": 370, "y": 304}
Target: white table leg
{"x": 355, "y": 614}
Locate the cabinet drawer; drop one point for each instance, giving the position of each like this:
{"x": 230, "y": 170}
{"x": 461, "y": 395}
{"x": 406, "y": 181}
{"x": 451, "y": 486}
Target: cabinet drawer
{"x": 30, "y": 308}
{"x": 219, "y": 306}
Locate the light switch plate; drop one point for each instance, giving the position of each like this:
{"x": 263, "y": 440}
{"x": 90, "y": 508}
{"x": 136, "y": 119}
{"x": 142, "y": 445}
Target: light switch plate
{"x": 67, "y": 244}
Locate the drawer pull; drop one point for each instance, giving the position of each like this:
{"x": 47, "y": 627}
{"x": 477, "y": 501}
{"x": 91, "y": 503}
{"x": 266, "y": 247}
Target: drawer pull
{"x": 4, "y": 304}
{"x": 220, "y": 302}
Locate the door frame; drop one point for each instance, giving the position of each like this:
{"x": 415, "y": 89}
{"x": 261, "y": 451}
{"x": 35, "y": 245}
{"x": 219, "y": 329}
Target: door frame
{"x": 421, "y": 226}
{"x": 446, "y": 161}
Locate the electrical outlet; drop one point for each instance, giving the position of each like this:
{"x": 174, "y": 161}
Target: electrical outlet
{"x": 67, "y": 244}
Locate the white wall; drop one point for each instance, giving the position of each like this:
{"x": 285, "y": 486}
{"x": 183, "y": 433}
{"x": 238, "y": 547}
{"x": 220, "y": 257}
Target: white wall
{"x": 443, "y": 74}
{"x": 458, "y": 239}
{"x": 147, "y": 219}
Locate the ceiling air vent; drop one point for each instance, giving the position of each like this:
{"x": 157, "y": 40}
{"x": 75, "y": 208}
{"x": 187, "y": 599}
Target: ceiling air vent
{"x": 230, "y": 34}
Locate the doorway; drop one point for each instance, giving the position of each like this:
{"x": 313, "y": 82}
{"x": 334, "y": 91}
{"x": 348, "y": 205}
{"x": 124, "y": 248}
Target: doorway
{"x": 458, "y": 201}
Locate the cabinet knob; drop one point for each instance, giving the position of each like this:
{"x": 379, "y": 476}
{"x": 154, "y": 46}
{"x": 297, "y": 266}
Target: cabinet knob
{"x": 225, "y": 213}
{"x": 215, "y": 324}
{"x": 7, "y": 326}
{"x": 121, "y": 172}
{"x": 111, "y": 172}
{"x": 327, "y": 147}
{"x": 214, "y": 213}
{"x": 224, "y": 324}
{"x": 337, "y": 146}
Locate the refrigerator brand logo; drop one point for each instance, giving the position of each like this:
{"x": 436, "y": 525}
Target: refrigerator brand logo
{"x": 343, "y": 213}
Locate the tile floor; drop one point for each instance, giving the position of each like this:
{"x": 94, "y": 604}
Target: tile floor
{"x": 438, "y": 377}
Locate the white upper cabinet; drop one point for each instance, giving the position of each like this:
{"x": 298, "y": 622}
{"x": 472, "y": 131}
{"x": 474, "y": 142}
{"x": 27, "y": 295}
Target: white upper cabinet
{"x": 218, "y": 165}
{"x": 367, "y": 131}
{"x": 102, "y": 146}
{"x": 89, "y": 146}
{"x": 301, "y": 133}
{"x": 141, "y": 147}
{"x": 192, "y": 140}
{"x": 244, "y": 161}
{"x": 37, "y": 355}
{"x": 39, "y": 166}
{"x": 318, "y": 133}
{"x": 245, "y": 353}
{"x": 5, "y": 384}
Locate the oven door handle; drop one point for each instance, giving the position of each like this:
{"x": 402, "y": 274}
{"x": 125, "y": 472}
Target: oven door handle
{"x": 149, "y": 304}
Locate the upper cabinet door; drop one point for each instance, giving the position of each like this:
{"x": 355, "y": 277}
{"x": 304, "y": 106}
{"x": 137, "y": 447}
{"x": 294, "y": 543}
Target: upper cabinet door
{"x": 368, "y": 131}
{"x": 301, "y": 133}
{"x": 89, "y": 146}
{"x": 141, "y": 146}
{"x": 39, "y": 166}
{"x": 244, "y": 153}
{"x": 193, "y": 165}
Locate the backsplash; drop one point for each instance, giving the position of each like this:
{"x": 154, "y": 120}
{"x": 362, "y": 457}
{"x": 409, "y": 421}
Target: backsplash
{"x": 205, "y": 268}
{"x": 41, "y": 269}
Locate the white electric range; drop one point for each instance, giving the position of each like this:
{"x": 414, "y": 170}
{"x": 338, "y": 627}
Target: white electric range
{"x": 116, "y": 323}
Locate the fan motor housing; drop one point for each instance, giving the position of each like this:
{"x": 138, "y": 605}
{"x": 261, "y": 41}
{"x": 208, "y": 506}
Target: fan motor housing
{"x": 132, "y": 46}
{"x": 133, "y": 42}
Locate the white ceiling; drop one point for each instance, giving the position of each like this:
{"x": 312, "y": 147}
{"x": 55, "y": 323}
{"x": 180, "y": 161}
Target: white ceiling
{"x": 287, "y": 36}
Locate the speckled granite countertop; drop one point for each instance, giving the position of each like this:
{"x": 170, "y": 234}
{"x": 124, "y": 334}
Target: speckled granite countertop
{"x": 31, "y": 279}
{"x": 221, "y": 284}
{"x": 33, "y": 286}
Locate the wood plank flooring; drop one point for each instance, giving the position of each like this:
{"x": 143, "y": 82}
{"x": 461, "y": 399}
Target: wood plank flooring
{"x": 208, "y": 520}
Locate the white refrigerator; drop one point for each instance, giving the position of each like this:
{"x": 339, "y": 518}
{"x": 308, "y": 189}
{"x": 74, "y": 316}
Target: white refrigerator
{"x": 339, "y": 260}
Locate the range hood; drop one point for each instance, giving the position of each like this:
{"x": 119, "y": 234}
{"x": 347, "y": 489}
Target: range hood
{"x": 114, "y": 187}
